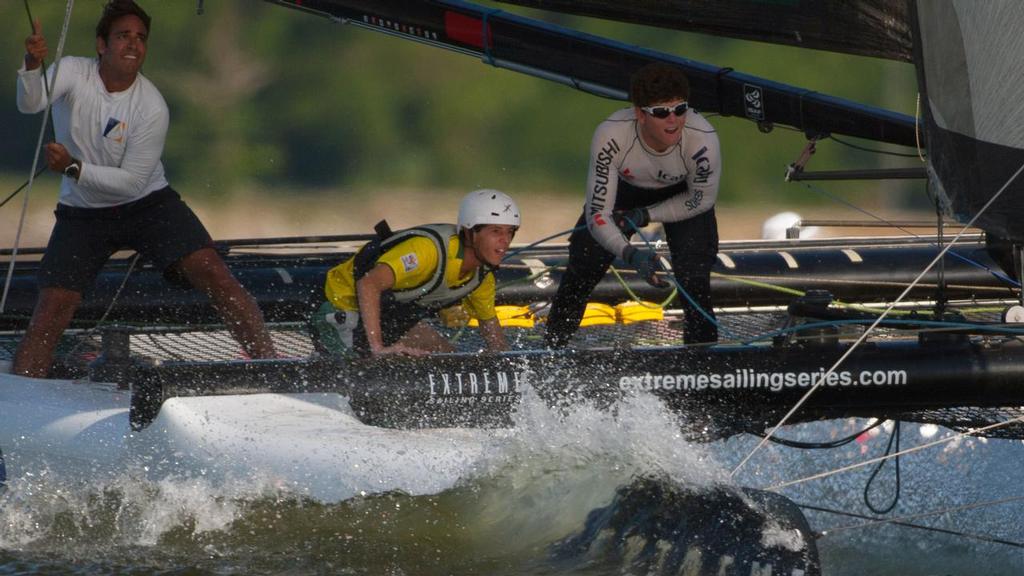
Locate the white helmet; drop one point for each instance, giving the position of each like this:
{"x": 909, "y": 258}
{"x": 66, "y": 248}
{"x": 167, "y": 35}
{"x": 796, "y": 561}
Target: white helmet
{"x": 488, "y": 206}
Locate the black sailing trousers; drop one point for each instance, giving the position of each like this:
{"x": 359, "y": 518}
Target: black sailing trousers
{"x": 693, "y": 245}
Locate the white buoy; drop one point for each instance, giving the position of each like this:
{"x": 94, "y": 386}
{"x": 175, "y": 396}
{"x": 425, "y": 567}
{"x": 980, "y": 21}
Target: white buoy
{"x": 774, "y": 228}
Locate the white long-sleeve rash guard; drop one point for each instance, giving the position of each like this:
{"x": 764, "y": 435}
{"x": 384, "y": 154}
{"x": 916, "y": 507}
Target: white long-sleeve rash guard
{"x": 617, "y": 151}
{"x": 119, "y": 137}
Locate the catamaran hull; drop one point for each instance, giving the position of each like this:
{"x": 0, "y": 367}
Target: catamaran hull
{"x": 327, "y": 429}
{"x": 717, "y": 391}
{"x": 307, "y": 444}
{"x": 312, "y": 445}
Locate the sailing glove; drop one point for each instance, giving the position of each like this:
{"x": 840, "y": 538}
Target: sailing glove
{"x": 645, "y": 262}
{"x": 632, "y": 219}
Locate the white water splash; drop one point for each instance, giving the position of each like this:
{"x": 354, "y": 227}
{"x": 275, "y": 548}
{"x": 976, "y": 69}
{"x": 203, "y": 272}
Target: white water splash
{"x": 541, "y": 478}
{"x": 636, "y": 436}
{"x": 775, "y": 536}
{"x": 124, "y": 511}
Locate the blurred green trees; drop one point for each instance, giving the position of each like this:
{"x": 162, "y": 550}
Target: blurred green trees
{"x": 269, "y": 98}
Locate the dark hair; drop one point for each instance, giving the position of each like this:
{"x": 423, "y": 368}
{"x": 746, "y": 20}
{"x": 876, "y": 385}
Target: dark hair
{"x": 116, "y": 9}
{"x": 658, "y": 82}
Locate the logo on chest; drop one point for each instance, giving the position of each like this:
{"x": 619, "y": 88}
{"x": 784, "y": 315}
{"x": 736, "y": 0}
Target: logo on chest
{"x": 410, "y": 262}
{"x": 663, "y": 177}
{"x": 115, "y": 130}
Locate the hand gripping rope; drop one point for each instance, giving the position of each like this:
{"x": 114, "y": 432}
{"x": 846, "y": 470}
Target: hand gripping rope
{"x": 39, "y": 147}
{"x": 667, "y": 266}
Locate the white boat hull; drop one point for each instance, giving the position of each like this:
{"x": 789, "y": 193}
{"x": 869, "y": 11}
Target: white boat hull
{"x": 308, "y": 444}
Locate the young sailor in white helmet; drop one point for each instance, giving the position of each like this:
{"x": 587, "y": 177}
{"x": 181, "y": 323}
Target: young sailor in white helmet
{"x": 377, "y": 300}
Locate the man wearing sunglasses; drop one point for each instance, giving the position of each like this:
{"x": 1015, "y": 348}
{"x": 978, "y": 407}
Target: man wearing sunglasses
{"x": 657, "y": 161}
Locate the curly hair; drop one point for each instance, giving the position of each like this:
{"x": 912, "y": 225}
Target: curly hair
{"x": 658, "y": 82}
{"x": 116, "y": 9}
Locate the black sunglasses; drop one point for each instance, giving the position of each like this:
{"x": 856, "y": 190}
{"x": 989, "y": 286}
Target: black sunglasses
{"x": 664, "y": 111}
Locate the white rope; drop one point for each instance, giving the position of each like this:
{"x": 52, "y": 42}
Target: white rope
{"x": 895, "y": 454}
{"x": 35, "y": 159}
{"x": 824, "y": 377}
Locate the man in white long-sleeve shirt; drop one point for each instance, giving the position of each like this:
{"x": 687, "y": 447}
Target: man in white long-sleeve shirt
{"x": 111, "y": 124}
{"x": 657, "y": 161}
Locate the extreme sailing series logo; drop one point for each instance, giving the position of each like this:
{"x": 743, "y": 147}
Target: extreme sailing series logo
{"x": 746, "y": 379}
{"x": 487, "y": 386}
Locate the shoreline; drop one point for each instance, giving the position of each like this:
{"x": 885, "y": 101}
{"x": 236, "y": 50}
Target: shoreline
{"x": 267, "y": 215}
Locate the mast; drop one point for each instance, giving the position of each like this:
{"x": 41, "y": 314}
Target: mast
{"x": 603, "y": 67}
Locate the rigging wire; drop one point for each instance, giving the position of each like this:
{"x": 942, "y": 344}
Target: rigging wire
{"x": 826, "y": 445}
{"x": 851, "y": 205}
{"x": 520, "y": 249}
{"x": 46, "y": 87}
{"x": 903, "y": 520}
{"x": 873, "y": 150}
{"x": 996, "y": 273}
{"x": 855, "y": 146}
{"x": 22, "y": 187}
{"x": 868, "y": 331}
{"x": 39, "y": 148}
{"x": 818, "y": 190}
{"x": 857, "y": 465}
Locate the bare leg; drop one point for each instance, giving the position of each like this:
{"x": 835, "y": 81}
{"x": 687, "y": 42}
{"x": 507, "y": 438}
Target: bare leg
{"x": 51, "y": 316}
{"x": 207, "y": 272}
{"x": 423, "y": 337}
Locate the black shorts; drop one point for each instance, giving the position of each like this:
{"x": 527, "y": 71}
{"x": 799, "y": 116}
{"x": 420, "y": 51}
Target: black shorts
{"x": 160, "y": 227}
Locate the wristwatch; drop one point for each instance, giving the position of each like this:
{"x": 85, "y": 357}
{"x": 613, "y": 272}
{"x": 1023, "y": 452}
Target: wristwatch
{"x": 73, "y": 170}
